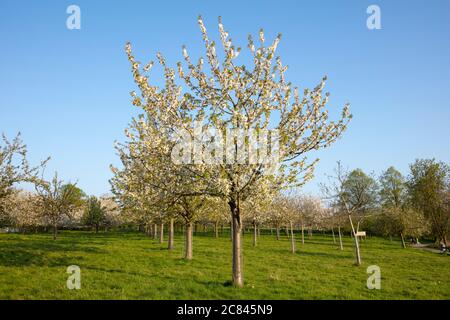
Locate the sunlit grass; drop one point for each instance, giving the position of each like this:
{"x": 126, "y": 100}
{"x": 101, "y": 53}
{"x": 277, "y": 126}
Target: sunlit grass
{"x": 133, "y": 266}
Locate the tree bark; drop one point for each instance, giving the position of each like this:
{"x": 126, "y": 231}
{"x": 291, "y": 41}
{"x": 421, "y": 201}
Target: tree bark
{"x": 188, "y": 241}
{"x": 255, "y": 234}
{"x": 355, "y": 238}
{"x": 303, "y": 234}
{"x": 55, "y": 230}
{"x": 292, "y": 239}
{"x": 332, "y": 232}
{"x": 340, "y": 239}
{"x": 403, "y": 240}
{"x": 155, "y": 231}
{"x": 278, "y": 232}
{"x": 237, "y": 267}
{"x": 161, "y": 232}
{"x": 231, "y": 230}
{"x": 216, "y": 229}
{"x": 170, "y": 242}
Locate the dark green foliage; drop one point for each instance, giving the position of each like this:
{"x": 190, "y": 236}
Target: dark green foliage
{"x": 429, "y": 189}
{"x": 94, "y": 214}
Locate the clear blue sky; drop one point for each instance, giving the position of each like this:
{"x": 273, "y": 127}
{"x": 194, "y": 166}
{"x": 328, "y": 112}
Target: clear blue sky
{"x": 67, "y": 91}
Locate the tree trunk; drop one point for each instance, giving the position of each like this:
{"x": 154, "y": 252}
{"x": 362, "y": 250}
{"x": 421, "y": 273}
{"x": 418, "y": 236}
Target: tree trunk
{"x": 255, "y": 233}
{"x": 216, "y": 229}
{"x": 188, "y": 241}
{"x": 303, "y": 234}
{"x": 155, "y": 231}
{"x": 340, "y": 239}
{"x": 161, "y": 232}
{"x": 332, "y": 232}
{"x": 355, "y": 238}
{"x": 231, "y": 231}
{"x": 55, "y": 230}
{"x": 96, "y": 229}
{"x": 278, "y": 233}
{"x": 170, "y": 242}
{"x": 403, "y": 240}
{"x": 237, "y": 267}
{"x": 292, "y": 239}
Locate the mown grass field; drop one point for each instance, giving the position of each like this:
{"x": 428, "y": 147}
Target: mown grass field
{"x": 133, "y": 266}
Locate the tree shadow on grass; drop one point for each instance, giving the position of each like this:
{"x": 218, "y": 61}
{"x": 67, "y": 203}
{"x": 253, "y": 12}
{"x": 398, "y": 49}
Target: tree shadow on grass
{"x": 112, "y": 270}
{"x": 15, "y": 253}
{"x": 19, "y": 258}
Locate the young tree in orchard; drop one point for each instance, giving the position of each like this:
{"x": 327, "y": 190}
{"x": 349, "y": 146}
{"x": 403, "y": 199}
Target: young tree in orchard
{"x": 354, "y": 193}
{"x": 307, "y": 209}
{"x": 94, "y": 213}
{"x": 429, "y": 189}
{"x": 275, "y": 216}
{"x": 327, "y": 221}
{"x": 255, "y": 208}
{"x": 286, "y": 206}
{"x": 338, "y": 219}
{"x": 240, "y": 99}
{"x": 14, "y": 168}
{"x": 57, "y": 201}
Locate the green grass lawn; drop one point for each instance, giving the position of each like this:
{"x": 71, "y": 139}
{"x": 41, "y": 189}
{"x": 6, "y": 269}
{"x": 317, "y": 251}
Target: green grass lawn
{"x": 133, "y": 266}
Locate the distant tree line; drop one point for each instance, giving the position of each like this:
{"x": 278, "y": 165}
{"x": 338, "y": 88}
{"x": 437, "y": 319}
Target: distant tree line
{"x": 53, "y": 204}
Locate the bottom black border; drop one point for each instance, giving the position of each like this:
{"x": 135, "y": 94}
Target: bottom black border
{"x": 219, "y": 309}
